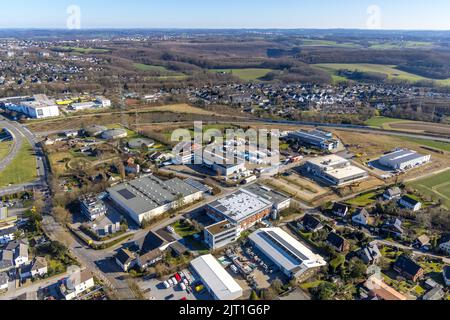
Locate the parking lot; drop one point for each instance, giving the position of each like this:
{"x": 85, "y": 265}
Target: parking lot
{"x": 154, "y": 289}
{"x": 250, "y": 270}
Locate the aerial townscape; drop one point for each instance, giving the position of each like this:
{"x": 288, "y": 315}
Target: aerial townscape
{"x": 347, "y": 199}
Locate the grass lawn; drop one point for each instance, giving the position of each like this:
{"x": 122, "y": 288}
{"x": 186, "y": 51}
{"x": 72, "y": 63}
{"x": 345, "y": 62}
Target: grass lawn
{"x": 246, "y": 74}
{"x": 389, "y": 70}
{"x": 311, "y": 285}
{"x": 363, "y": 200}
{"x": 444, "y": 146}
{"x": 437, "y": 186}
{"x": 5, "y": 148}
{"x": 184, "y": 230}
{"x": 379, "y": 122}
{"x": 22, "y": 169}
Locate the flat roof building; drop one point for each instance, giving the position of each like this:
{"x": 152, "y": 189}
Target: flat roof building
{"x": 317, "y": 138}
{"x": 242, "y": 208}
{"x": 39, "y": 106}
{"x": 147, "y": 197}
{"x": 216, "y": 279}
{"x": 293, "y": 258}
{"x": 404, "y": 159}
{"x": 335, "y": 170}
{"x": 280, "y": 201}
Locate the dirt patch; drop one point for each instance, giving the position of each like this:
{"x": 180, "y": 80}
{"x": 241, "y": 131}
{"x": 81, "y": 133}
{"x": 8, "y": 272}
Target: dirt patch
{"x": 422, "y": 127}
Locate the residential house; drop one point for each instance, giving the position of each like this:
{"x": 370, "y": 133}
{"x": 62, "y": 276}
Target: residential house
{"x": 310, "y": 223}
{"x": 4, "y": 281}
{"x": 362, "y": 217}
{"x": 370, "y": 253}
{"x": 410, "y": 203}
{"x": 408, "y": 268}
{"x": 444, "y": 244}
{"x": 379, "y": 290}
{"x": 393, "y": 227}
{"x": 19, "y": 250}
{"x": 392, "y": 193}
{"x": 7, "y": 234}
{"x": 446, "y": 275}
{"x": 434, "y": 294}
{"x": 76, "y": 284}
{"x": 125, "y": 259}
{"x": 338, "y": 242}
{"x": 422, "y": 242}
{"x": 340, "y": 209}
{"x": 151, "y": 249}
{"x": 37, "y": 268}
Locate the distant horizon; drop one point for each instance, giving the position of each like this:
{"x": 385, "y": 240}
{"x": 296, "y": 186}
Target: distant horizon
{"x": 399, "y": 15}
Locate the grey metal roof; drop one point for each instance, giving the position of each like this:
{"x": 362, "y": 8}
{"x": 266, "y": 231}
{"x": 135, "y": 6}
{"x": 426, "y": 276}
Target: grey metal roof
{"x": 400, "y": 156}
{"x": 147, "y": 193}
{"x": 267, "y": 193}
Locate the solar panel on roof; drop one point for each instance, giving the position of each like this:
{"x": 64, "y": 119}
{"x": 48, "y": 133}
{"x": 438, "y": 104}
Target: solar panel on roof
{"x": 126, "y": 194}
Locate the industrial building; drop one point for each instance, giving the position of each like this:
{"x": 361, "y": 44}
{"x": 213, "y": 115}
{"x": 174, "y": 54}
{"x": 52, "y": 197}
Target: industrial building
{"x": 222, "y": 165}
{"x": 280, "y": 201}
{"x": 147, "y": 197}
{"x": 220, "y": 234}
{"x": 38, "y": 107}
{"x": 113, "y": 134}
{"x": 242, "y": 209}
{"x": 317, "y": 138}
{"x": 404, "y": 159}
{"x": 335, "y": 170}
{"x": 294, "y": 259}
{"x": 219, "y": 283}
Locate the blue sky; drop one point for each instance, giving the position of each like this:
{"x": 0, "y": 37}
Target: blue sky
{"x": 394, "y": 14}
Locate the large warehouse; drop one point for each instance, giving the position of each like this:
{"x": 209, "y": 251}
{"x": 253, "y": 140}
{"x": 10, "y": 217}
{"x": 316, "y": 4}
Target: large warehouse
{"x": 38, "y": 107}
{"x": 148, "y": 196}
{"x": 316, "y": 138}
{"x": 404, "y": 159}
{"x": 293, "y": 258}
{"x": 335, "y": 170}
{"x": 241, "y": 208}
{"x": 219, "y": 283}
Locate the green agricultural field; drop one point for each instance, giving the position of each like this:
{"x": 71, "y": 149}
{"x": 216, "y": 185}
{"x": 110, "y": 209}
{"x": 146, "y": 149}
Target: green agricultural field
{"x": 328, "y": 43}
{"x": 400, "y": 45}
{"x": 437, "y": 186}
{"x": 389, "y": 70}
{"x": 247, "y": 74}
{"x": 22, "y": 169}
{"x": 84, "y": 50}
{"x": 147, "y": 67}
{"x": 444, "y": 146}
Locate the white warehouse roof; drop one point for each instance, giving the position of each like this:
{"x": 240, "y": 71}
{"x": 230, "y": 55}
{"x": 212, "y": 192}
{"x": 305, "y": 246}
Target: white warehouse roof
{"x": 216, "y": 278}
{"x": 286, "y": 251}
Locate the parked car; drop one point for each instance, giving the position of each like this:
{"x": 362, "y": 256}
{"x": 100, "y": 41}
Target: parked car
{"x": 174, "y": 280}
{"x": 183, "y": 286}
{"x": 178, "y": 277}
{"x": 170, "y": 282}
{"x": 170, "y": 296}
{"x": 166, "y": 284}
